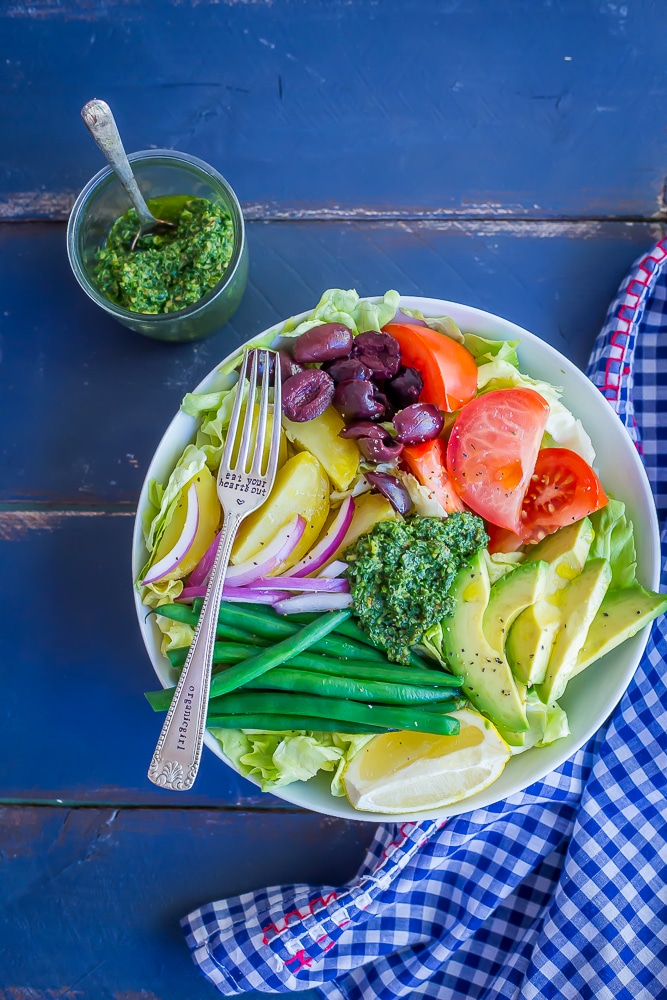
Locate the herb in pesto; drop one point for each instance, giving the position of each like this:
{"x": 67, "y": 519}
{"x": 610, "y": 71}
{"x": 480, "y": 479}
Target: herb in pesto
{"x": 401, "y": 571}
{"x": 169, "y": 270}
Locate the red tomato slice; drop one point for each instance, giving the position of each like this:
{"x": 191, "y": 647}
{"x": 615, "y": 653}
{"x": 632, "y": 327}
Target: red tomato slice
{"x": 492, "y": 452}
{"x": 502, "y": 540}
{"x": 448, "y": 368}
{"x": 427, "y": 463}
{"x": 562, "y": 489}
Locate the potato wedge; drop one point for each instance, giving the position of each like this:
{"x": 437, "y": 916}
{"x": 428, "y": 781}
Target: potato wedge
{"x": 301, "y": 487}
{"x": 339, "y": 456}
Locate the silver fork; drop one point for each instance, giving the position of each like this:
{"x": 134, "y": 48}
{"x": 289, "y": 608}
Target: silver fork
{"x": 178, "y": 752}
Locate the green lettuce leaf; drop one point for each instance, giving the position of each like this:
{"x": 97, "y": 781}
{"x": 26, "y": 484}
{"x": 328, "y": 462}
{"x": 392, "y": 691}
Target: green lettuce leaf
{"x": 443, "y": 324}
{"x": 278, "y": 759}
{"x": 563, "y": 429}
{"x": 163, "y": 500}
{"x": 546, "y": 723}
{"x": 160, "y": 592}
{"x": 175, "y": 635}
{"x": 214, "y": 410}
{"x": 614, "y": 541}
{"x": 340, "y": 306}
{"x": 484, "y": 350}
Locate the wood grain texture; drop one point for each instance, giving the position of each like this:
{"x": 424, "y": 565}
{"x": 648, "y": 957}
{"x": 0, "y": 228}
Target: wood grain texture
{"x": 92, "y": 898}
{"x": 77, "y": 727}
{"x": 456, "y": 107}
{"x": 84, "y": 402}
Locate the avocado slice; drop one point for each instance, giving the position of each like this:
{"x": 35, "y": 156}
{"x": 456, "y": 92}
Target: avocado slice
{"x": 488, "y": 679}
{"x": 531, "y": 638}
{"x": 623, "y": 612}
{"x": 510, "y": 595}
{"x": 580, "y": 603}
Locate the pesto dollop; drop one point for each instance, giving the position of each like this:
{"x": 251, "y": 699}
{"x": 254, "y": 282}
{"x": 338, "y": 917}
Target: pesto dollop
{"x": 168, "y": 270}
{"x": 401, "y": 571}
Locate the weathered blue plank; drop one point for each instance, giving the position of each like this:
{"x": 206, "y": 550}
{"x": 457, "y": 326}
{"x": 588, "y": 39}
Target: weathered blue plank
{"x": 83, "y": 402}
{"x": 91, "y": 898}
{"x": 74, "y": 725}
{"x": 474, "y": 107}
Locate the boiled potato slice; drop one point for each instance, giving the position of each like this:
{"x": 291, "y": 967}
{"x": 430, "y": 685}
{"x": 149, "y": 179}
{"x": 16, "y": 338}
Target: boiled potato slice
{"x": 339, "y": 456}
{"x": 209, "y": 519}
{"x": 369, "y": 508}
{"x": 300, "y": 487}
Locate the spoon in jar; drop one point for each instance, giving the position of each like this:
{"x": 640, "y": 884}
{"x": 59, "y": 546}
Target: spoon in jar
{"x": 100, "y": 122}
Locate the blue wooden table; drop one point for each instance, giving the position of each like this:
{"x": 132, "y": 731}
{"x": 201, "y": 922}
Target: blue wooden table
{"x": 509, "y": 156}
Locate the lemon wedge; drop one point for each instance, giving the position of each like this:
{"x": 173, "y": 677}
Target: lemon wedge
{"x": 407, "y": 772}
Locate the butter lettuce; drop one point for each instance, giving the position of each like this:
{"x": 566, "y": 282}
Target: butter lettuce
{"x": 162, "y": 500}
{"x": 214, "y": 410}
{"x": 614, "y": 541}
{"x": 278, "y": 759}
{"x": 443, "y": 324}
{"x": 546, "y": 724}
{"x": 484, "y": 350}
{"x": 340, "y": 306}
{"x": 563, "y": 429}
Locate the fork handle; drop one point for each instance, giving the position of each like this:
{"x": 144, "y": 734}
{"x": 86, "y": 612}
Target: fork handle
{"x": 100, "y": 122}
{"x": 178, "y": 752}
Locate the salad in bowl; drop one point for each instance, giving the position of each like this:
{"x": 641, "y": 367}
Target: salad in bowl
{"x": 448, "y": 587}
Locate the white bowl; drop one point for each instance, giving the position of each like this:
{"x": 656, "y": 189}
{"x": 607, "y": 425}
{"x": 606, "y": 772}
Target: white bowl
{"x": 593, "y": 694}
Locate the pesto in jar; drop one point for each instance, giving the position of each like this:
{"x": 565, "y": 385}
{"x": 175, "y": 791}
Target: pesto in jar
{"x": 168, "y": 270}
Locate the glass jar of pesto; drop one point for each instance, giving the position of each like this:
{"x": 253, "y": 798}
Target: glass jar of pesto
{"x": 180, "y": 285}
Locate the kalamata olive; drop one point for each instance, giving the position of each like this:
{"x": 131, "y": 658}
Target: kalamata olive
{"x": 358, "y": 400}
{"x": 375, "y": 442}
{"x": 288, "y": 366}
{"x": 418, "y": 422}
{"x": 406, "y": 387}
{"x": 307, "y": 394}
{"x": 392, "y": 489}
{"x": 378, "y": 351}
{"x": 346, "y": 368}
{"x": 323, "y": 343}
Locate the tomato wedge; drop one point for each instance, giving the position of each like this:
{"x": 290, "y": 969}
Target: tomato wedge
{"x": 492, "y": 452}
{"x": 562, "y": 489}
{"x": 448, "y": 368}
{"x": 502, "y": 540}
{"x": 427, "y": 463}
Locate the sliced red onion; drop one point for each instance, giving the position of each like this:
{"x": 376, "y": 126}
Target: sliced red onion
{"x": 326, "y": 547}
{"x": 313, "y": 602}
{"x": 180, "y": 549}
{"x": 244, "y": 595}
{"x": 316, "y": 584}
{"x": 275, "y": 553}
{"x": 200, "y": 573}
{"x": 333, "y": 570}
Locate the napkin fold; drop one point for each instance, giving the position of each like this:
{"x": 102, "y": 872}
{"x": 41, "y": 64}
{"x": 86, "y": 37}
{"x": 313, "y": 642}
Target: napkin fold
{"x": 557, "y": 892}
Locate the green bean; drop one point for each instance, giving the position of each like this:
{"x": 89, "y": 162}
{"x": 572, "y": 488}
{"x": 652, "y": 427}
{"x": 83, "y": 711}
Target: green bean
{"x": 390, "y": 672}
{"x": 183, "y": 613}
{"x": 279, "y": 723}
{"x": 377, "y": 692}
{"x": 269, "y": 625}
{"x": 258, "y": 664}
{"x": 384, "y": 716}
{"x": 226, "y": 652}
{"x": 352, "y": 630}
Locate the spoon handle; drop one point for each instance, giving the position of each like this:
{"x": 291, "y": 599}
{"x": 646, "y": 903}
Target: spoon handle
{"x": 100, "y": 122}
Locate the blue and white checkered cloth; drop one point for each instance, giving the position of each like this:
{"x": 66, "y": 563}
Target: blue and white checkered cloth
{"x": 558, "y": 892}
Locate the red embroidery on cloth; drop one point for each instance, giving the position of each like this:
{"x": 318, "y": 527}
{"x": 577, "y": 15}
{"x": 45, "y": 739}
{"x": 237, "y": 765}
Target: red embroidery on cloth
{"x": 404, "y": 832}
{"x": 301, "y": 914}
{"x": 616, "y": 367}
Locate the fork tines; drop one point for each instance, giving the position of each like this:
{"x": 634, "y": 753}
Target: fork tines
{"x": 253, "y": 360}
